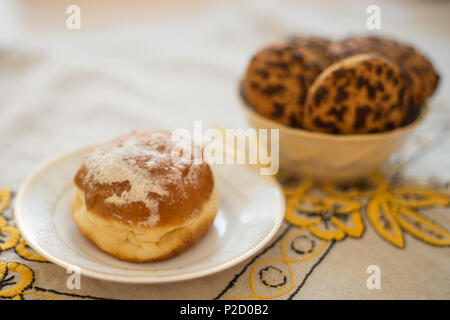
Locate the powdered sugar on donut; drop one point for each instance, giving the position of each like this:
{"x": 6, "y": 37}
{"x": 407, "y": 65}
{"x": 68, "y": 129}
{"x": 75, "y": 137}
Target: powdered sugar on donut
{"x": 143, "y": 159}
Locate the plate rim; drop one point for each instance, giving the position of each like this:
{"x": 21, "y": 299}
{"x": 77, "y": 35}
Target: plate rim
{"x": 255, "y": 247}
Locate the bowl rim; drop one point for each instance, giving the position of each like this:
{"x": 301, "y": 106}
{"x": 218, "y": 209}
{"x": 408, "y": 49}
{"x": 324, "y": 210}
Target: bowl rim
{"x": 329, "y": 136}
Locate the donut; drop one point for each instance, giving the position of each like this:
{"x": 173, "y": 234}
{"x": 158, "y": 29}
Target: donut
{"x": 138, "y": 202}
{"x": 360, "y": 94}
{"x": 277, "y": 81}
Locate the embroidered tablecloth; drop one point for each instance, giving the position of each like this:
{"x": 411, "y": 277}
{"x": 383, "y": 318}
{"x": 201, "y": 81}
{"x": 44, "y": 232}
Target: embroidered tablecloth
{"x": 63, "y": 91}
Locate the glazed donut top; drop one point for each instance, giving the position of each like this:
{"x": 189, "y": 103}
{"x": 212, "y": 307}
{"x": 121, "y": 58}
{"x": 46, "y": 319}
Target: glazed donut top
{"x": 136, "y": 180}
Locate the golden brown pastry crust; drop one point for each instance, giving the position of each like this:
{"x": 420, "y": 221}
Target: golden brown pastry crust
{"x": 183, "y": 200}
{"x": 138, "y": 244}
{"x": 137, "y": 202}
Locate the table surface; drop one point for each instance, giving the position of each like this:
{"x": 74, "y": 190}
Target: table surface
{"x": 61, "y": 90}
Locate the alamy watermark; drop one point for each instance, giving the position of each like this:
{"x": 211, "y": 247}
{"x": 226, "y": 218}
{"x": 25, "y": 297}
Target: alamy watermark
{"x": 373, "y": 21}
{"x": 229, "y": 146}
{"x": 73, "y": 281}
{"x": 73, "y": 21}
{"x": 374, "y": 280}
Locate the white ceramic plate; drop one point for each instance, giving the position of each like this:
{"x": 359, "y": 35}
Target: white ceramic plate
{"x": 251, "y": 211}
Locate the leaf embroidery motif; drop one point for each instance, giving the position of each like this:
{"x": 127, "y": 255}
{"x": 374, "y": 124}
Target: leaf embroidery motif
{"x": 380, "y": 213}
{"x": 422, "y": 228}
{"x": 418, "y": 197}
{"x": 327, "y": 217}
{"x": 356, "y": 228}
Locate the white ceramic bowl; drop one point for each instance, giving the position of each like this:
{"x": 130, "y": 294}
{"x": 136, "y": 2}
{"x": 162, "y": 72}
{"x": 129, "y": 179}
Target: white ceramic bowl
{"x": 331, "y": 157}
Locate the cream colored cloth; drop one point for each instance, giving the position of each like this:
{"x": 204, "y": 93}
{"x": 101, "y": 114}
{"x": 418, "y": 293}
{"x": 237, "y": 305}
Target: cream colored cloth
{"x": 61, "y": 92}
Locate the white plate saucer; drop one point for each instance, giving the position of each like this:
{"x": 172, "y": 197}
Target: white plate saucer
{"x": 251, "y": 212}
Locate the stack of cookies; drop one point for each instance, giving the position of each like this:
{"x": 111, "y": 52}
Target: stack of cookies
{"x": 362, "y": 84}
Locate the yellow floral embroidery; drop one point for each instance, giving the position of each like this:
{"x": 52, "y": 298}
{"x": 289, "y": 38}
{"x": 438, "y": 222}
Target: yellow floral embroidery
{"x": 5, "y": 196}
{"x": 379, "y": 211}
{"x": 25, "y": 252}
{"x": 391, "y": 210}
{"x": 329, "y": 217}
{"x": 3, "y": 222}
{"x": 9, "y": 237}
{"x": 421, "y": 227}
{"x": 10, "y": 286}
{"x": 332, "y": 212}
{"x": 418, "y": 197}
{"x": 360, "y": 188}
{"x": 286, "y": 261}
{"x": 41, "y": 294}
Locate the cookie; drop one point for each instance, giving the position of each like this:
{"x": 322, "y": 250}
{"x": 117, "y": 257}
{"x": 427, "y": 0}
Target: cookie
{"x": 421, "y": 79}
{"x": 320, "y": 47}
{"x": 277, "y": 81}
{"x": 368, "y": 44}
{"x": 360, "y": 94}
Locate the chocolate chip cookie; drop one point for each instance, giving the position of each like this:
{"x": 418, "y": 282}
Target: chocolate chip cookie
{"x": 421, "y": 79}
{"x": 360, "y": 94}
{"x": 320, "y": 47}
{"x": 277, "y": 81}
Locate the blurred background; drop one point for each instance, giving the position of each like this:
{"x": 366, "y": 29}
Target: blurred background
{"x": 163, "y": 64}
